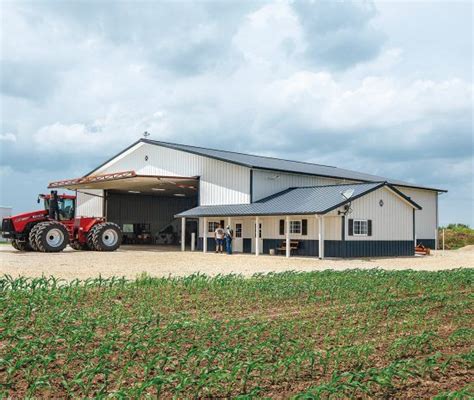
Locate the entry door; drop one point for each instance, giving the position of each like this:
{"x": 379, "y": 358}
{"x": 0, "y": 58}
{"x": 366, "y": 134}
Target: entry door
{"x": 238, "y": 245}
{"x": 260, "y": 238}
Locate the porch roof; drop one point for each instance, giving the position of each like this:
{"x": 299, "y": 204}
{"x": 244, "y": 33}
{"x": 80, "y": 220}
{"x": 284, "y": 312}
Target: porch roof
{"x": 297, "y": 201}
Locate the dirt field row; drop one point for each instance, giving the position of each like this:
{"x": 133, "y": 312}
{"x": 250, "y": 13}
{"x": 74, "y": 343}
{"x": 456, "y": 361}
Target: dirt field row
{"x": 164, "y": 261}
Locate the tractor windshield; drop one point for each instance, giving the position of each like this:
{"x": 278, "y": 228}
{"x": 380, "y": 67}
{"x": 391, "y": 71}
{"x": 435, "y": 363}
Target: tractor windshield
{"x": 66, "y": 208}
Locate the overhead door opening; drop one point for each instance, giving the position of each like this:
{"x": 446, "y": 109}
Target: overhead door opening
{"x": 148, "y": 219}
{"x": 143, "y": 206}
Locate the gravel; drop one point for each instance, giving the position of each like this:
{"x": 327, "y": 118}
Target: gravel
{"x": 131, "y": 261}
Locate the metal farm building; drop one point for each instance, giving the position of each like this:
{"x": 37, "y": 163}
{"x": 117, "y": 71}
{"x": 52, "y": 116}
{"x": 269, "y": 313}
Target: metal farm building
{"x": 162, "y": 192}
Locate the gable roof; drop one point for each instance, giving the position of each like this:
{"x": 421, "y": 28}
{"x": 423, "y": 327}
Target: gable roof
{"x": 296, "y": 201}
{"x": 275, "y": 164}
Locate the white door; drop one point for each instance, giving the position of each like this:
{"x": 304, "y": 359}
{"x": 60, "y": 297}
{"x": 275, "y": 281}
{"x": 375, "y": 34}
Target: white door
{"x": 260, "y": 247}
{"x": 238, "y": 245}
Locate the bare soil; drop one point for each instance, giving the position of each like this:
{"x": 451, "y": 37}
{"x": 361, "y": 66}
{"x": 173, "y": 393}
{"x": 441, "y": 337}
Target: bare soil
{"x": 131, "y": 261}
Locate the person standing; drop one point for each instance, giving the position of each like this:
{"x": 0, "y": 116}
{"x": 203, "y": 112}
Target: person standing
{"x": 219, "y": 234}
{"x": 54, "y": 205}
{"x": 229, "y": 235}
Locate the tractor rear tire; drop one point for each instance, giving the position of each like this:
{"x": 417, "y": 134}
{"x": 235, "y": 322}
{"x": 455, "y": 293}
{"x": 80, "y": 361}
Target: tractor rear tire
{"x": 90, "y": 237}
{"x": 107, "y": 237}
{"x": 21, "y": 246}
{"x": 51, "y": 237}
{"x": 32, "y": 237}
{"x": 79, "y": 246}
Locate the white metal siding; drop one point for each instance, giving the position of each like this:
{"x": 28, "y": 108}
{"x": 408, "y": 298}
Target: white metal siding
{"x": 89, "y": 205}
{"x": 393, "y": 221}
{"x": 266, "y": 183}
{"x": 220, "y": 182}
{"x": 425, "y": 219}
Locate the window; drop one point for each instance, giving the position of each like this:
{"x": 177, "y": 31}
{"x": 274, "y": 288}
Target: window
{"x": 238, "y": 230}
{"x": 295, "y": 227}
{"x": 259, "y": 230}
{"x": 66, "y": 209}
{"x": 361, "y": 227}
{"x": 212, "y": 226}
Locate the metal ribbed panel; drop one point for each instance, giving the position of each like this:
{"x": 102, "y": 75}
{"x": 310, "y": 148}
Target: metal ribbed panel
{"x": 220, "y": 182}
{"x": 90, "y": 205}
{"x": 278, "y": 164}
{"x": 310, "y": 200}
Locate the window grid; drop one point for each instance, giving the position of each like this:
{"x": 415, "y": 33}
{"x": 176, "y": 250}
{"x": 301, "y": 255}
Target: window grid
{"x": 295, "y": 227}
{"x": 212, "y": 226}
{"x": 238, "y": 230}
{"x": 361, "y": 227}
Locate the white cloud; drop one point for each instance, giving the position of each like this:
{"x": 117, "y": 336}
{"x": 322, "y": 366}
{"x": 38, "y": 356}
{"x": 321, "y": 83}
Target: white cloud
{"x": 7, "y": 137}
{"x": 303, "y": 80}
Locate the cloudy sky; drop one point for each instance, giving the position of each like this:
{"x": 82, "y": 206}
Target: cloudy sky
{"x": 380, "y": 87}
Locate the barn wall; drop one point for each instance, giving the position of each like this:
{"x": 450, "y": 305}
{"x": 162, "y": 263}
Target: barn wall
{"x": 393, "y": 221}
{"x": 266, "y": 183}
{"x": 425, "y": 219}
{"x": 88, "y": 205}
{"x": 220, "y": 182}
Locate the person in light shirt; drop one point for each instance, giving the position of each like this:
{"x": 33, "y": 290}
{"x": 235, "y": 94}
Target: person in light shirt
{"x": 219, "y": 234}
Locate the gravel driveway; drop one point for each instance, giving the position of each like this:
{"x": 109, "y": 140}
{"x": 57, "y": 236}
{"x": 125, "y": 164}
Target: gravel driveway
{"x": 131, "y": 261}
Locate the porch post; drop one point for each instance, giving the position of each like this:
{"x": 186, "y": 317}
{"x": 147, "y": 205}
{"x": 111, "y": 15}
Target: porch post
{"x": 183, "y": 233}
{"x": 288, "y": 247}
{"x": 321, "y": 236}
{"x": 204, "y": 236}
{"x": 257, "y": 236}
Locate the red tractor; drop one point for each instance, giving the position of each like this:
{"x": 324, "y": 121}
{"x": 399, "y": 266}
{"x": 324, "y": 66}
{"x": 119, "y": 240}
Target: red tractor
{"x": 52, "y": 229}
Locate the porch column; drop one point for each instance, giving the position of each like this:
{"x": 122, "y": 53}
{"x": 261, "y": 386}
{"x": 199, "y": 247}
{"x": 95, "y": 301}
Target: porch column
{"x": 229, "y": 221}
{"x": 257, "y": 236}
{"x": 288, "y": 247}
{"x": 204, "y": 236}
{"x": 321, "y": 236}
{"x": 183, "y": 233}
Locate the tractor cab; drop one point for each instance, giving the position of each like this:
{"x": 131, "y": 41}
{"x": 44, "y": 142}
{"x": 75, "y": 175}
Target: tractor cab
{"x": 65, "y": 208}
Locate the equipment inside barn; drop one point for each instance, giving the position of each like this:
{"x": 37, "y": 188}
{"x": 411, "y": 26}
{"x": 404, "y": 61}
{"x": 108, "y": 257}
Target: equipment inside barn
{"x": 54, "y": 227}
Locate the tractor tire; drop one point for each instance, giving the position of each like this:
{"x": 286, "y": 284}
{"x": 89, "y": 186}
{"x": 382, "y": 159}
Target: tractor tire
{"x": 52, "y": 237}
{"x": 21, "y": 246}
{"x": 107, "y": 237}
{"x": 79, "y": 246}
{"x": 90, "y": 237}
{"x": 32, "y": 237}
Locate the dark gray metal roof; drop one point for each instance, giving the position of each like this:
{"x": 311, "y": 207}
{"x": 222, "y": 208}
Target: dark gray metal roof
{"x": 277, "y": 164}
{"x": 295, "y": 201}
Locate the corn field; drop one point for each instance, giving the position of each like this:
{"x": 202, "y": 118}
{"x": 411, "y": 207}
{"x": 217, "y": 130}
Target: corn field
{"x": 362, "y": 334}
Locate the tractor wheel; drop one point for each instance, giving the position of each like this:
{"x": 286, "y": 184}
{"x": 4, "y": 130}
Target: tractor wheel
{"x": 32, "y": 237}
{"x": 107, "y": 237}
{"x": 90, "y": 237}
{"x": 21, "y": 246}
{"x": 79, "y": 246}
{"x": 15, "y": 244}
{"x": 52, "y": 237}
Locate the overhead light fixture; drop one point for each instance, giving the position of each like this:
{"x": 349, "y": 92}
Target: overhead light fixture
{"x": 133, "y": 191}
{"x": 179, "y": 195}
{"x": 158, "y": 189}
